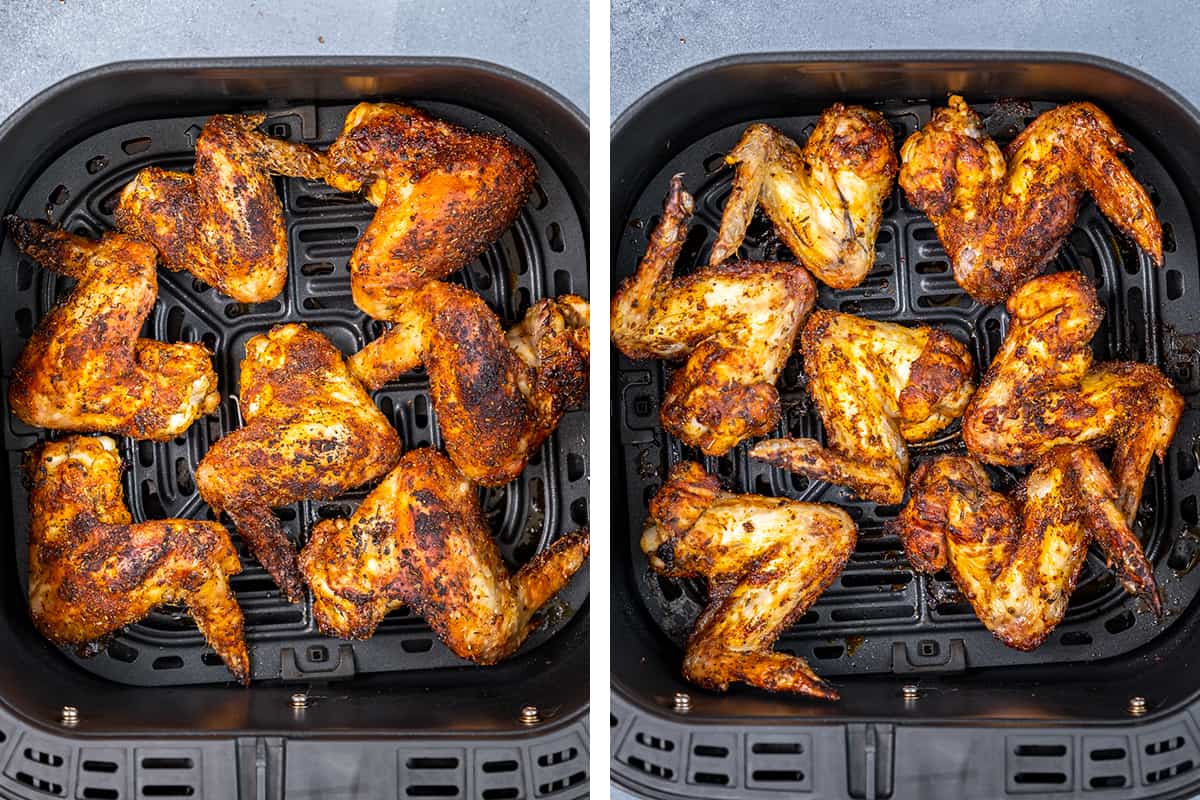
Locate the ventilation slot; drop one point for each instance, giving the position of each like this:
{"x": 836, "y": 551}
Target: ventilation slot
{"x": 780, "y": 763}
{"x": 1167, "y": 753}
{"x": 436, "y": 774}
{"x": 497, "y": 774}
{"x": 709, "y": 762}
{"x": 1039, "y": 764}
{"x": 1106, "y": 764}
{"x": 559, "y": 766}
{"x": 168, "y": 773}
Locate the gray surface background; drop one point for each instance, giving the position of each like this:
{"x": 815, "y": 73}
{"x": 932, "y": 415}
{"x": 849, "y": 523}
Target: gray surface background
{"x": 654, "y": 39}
{"x": 43, "y": 41}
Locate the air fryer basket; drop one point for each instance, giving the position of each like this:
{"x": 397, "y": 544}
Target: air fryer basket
{"x": 878, "y": 627}
{"x": 71, "y": 150}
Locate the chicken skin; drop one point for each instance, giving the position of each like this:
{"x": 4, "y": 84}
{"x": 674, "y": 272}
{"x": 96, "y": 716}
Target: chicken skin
{"x": 310, "y": 432}
{"x": 223, "y": 222}
{"x": 84, "y": 368}
{"x": 1003, "y": 216}
{"x": 444, "y": 194}
{"x": 766, "y": 560}
{"x": 497, "y": 397}
{"x": 1042, "y": 390}
{"x": 1016, "y": 559}
{"x": 877, "y": 387}
{"x": 735, "y": 325}
{"x": 92, "y": 570}
{"x": 420, "y": 539}
{"x": 825, "y": 199}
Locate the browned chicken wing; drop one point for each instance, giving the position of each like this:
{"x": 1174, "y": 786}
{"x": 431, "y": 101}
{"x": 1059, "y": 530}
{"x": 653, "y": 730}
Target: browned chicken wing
{"x": 84, "y": 368}
{"x": 310, "y": 432}
{"x": 497, "y": 397}
{"x": 877, "y": 386}
{"x": 223, "y": 222}
{"x": 1042, "y": 390}
{"x": 1016, "y": 559}
{"x": 766, "y": 560}
{"x": 420, "y": 539}
{"x": 825, "y": 199}
{"x": 1003, "y": 216}
{"x": 444, "y": 194}
{"x": 735, "y": 325}
{"x": 93, "y": 571}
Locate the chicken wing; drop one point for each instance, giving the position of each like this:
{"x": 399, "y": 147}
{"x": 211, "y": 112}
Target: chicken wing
{"x": 1016, "y": 559}
{"x": 224, "y": 222}
{"x": 734, "y": 323}
{"x": 93, "y": 571}
{"x": 310, "y": 432}
{"x": 444, "y": 194}
{"x": 1042, "y": 390}
{"x": 1003, "y": 216}
{"x": 766, "y": 560}
{"x": 825, "y": 199}
{"x": 420, "y": 539}
{"x": 877, "y": 386}
{"x": 497, "y": 397}
{"x": 84, "y": 368}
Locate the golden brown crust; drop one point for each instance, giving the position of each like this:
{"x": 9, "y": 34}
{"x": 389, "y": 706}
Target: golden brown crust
{"x": 311, "y": 432}
{"x": 420, "y": 539}
{"x": 735, "y": 325}
{"x": 444, "y": 194}
{"x": 766, "y": 561}
{"x": 825, "y": 199}
{"x": 84, "y": 368}
{"x": 1017, "y": 559}
{"x": 223, "y": 222}
{"x": 1003, "y": 216}
{"x": 93, "y": 571}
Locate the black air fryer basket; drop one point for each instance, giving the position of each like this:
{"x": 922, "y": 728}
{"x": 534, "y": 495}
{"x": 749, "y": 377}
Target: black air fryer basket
{"x": 986, "y": 720}
{"x": 394, "y": 716}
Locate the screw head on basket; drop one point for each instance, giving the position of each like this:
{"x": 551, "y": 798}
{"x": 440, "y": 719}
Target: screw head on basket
{"x": 70, "y": 715}
{"x": 299, "y": 700}
{"x": 682, "y": 702}
{"x": 530, "y": 715}
{"x": 1137, "y": 705}
{"x": 910, "y": 691}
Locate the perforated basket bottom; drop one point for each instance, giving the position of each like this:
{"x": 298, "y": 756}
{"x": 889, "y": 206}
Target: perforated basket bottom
{"x": 879, "y": 616}
{"x": 542, "y": 254}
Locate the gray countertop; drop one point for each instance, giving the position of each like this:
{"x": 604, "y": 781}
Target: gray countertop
{"x": 43, "y": 41}
{"x": 654, "y": 39}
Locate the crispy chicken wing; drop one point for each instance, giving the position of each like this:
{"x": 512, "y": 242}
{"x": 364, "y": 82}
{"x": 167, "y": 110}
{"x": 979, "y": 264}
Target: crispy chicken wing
{"x": 766, "y": 560}
{"x": 1042, "y": 390}
{"x": 420, "y": 539}
{"x": 444, "y": 194}
{"x": 1016, "y": 559}
{"x": 1003, "y": 216}
{"x": 93, "y": 571}
{"x": 223, "y": 222}
{"x": 877, "y": 386}
{"x": 825, "y": 199}
{"x": 497, "y": 397}
{"x": 733, "y": 323}
{"x": 310, "y": 432}
{"x": 84, "y": 368}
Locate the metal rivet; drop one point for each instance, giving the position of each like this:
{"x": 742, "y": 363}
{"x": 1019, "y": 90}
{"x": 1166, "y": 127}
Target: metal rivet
{"x": 683, "y": 702}
{"x": 299, "y": 700}
{"x": 910, "y": 691}
{"x": 70, "y": 715}
{"x": 1137, "y": 706}
{"x": 530, "y": 715}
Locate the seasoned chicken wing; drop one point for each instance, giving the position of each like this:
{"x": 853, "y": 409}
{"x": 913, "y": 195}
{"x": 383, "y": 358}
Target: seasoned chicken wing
{"x": 223, "y": 222}
{"x": 1016, "y": 559}
{"x": 444, "y": 194}
{"x": 734, "y": 324}
{"x": 420, "y": 539}
{"x": 1003, "y": 216}
{"x": 92, "y": 570}
{"x": 497, "y": 397}
{"x": 825, "y": 199}
{"x": 84, "y": 368}
{"x": 1042, "y": 390}
{"x": 766, "y": 560}
{"x": 310, "y": 432}
{"x": 877, "y": 386}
